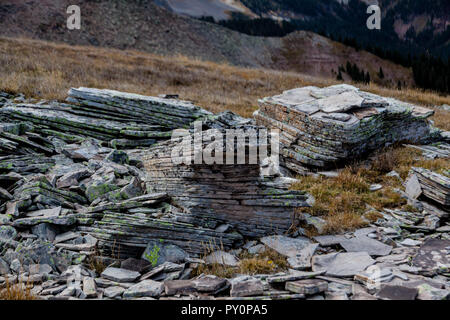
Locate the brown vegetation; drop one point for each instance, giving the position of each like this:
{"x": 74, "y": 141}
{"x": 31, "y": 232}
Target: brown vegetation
{"x": 267, "y": 262}
{"x": 16, "y": 291}
{"x": 344, "y": 200}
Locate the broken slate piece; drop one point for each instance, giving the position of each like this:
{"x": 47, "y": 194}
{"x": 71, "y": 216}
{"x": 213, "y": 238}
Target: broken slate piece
{"x": 302, "y": 260}
{"x": 412, "y": 187}
{"x": 146, "y": 288}
{"x": 113, "y": 292}
{"x": 246, "y": 287}
{"x": 307, "y": 287}
{"x": 222, "y": 257}
{"x": 53, "y": 212}
{"x": 433, "y": 256}
{"x": 286, "y": 246}
{"x": 66, "y": 237}
{"x": 342, "y": 264}
{"x": 89, "y": 287}
{"x": 293, "y": 276}
{"x": 326, "y": 241}
{"x": 120, "y": 275}
{"x": 396, "y": 292}
{"x": 365, "y": 244}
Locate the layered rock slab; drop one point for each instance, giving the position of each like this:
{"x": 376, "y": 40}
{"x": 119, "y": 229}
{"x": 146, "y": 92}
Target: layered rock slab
{"x": 328, "y": 126}
{"x": 123, "y": 120}
{"x": 433, "y": 185}
{"x": 217, "y": 193}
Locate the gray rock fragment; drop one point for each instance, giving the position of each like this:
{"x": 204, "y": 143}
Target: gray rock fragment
{"x": 307, "y": 287}
{"x": 146, "y": 288}
{"x": 365, "y": 244}
{"x": 120, "y": 275}
{"x": 246, "y": 287}
{"x": 286, "y": 246}
{"x": 222, "y": 257}
{"x": 342, "y": 264}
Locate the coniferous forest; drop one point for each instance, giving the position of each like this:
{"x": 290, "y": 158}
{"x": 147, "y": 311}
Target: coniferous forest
{"x": 427, "y": 52}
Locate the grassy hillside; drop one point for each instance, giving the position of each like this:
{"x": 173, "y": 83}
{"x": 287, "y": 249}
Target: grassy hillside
{"x": 143, "y": 26}
{"x": 47, "y": 70}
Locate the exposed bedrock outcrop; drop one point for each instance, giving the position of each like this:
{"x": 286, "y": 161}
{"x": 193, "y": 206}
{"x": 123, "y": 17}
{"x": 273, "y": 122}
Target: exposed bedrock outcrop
{"x": 325, "y": 127}
{"x": 220, "y": 192}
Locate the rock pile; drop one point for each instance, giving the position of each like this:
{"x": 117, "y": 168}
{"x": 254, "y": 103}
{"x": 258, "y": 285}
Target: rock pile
{"x": 328, "y": 126}
{"x": 126, "y": 228}
{"x": 82, "y": 220}
{"x": 433, "y": 185}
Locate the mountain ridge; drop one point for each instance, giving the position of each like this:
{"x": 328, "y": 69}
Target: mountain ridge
{"x": 144, "y": 26}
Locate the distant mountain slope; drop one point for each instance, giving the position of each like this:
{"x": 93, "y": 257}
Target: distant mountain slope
{"x": 132, "y": 24}
{"x": 421, "y": 23}
{"x": 141, "y": 25}
{"x": 307, "y": 52}
{"x": 218, "y": 9}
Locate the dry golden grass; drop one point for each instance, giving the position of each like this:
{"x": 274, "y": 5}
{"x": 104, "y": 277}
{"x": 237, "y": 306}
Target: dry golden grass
{"x": 215, "y": 269}
{"x": 97, "y": 264}
{"x": 47, "y": 70}
{"x": 342, "y": 201}
{"x": 18, "y": 291}
{"x": 266, "y": 262}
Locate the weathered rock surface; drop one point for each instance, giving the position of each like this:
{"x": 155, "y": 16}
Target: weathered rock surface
{"x": 120, "y": 275}
{"x": 365, "y": 244}
{"x": 323, "y": 127}
{"x": 434, "y": 186}
{"x": 218, "y": 193}
{"x": 246, "y": 287}
{"x": 433, "y": 257}
{"x": 307, "y": 287}
{"x": 146, "y": 288}
{"x": 124, "y": 120}
{"x": 342, "y": 264}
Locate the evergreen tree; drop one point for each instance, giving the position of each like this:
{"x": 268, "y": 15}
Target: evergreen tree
{"x": 381, "y": 73}
{"x": 367, "y": 78}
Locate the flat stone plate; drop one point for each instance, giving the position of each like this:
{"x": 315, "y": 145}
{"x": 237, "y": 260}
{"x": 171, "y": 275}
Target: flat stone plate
{"x": 365, "y": 244}
{"x": 295, "y": 96}
{"x": 286, "y": 246}
{"x": 341, "y": 102}
{"x": 433, "y": 256}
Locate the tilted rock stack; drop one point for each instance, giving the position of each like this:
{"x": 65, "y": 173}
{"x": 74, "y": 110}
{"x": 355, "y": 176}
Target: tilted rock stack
{"x": 123, "y": 120}
{"x": 213, "y": 194}
{"x": 434, "y": 185}
{"x": 127, "y": 227}
{"x": 328, "y": 126}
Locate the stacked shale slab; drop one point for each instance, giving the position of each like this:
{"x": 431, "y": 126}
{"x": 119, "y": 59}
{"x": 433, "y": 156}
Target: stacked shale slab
{"x": 125, "y": 228}
{"x": 325, "y": 127}
{"x": 123, "y": 120}
{"x": 434, "y": 185}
